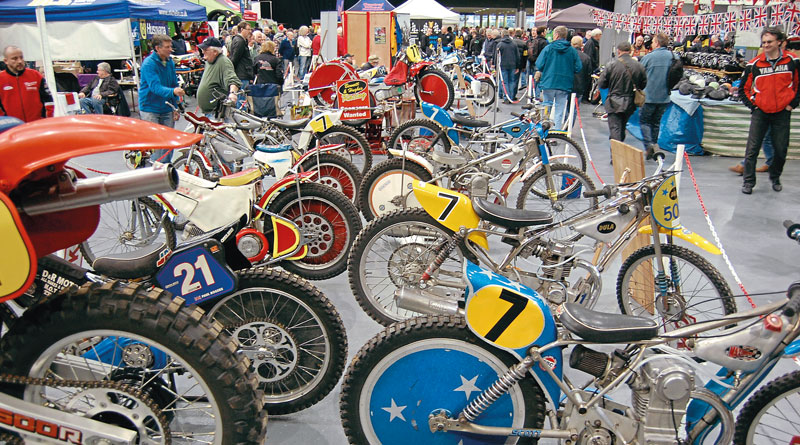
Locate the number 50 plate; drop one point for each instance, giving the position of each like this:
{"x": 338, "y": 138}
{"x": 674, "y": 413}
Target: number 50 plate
{"x": 665, "y": 205}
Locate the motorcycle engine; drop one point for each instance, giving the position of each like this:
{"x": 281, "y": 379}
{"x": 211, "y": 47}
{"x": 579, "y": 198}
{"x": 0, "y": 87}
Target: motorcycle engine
{"x": 661, "y": 392}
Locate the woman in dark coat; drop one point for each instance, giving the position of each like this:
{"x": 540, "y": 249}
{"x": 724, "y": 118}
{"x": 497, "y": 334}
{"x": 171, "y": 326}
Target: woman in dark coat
{"x": 268, "y": 70}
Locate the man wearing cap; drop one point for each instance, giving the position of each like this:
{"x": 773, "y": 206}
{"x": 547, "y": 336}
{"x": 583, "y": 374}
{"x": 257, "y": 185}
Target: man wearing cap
{"x": 219, "y": 77}
{"x": 159, "y": 84}
{"x": 372, "y": 62}
{"x": 94, "y": 95}
{"x": 348, "y": 58}
{"x": 620, "y": 77}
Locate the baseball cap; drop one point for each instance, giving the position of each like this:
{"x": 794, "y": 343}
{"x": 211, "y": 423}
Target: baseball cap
{"x": 347, "y": 55}
{"x": 374, "y": 58}
{"x": 211, "y": 41}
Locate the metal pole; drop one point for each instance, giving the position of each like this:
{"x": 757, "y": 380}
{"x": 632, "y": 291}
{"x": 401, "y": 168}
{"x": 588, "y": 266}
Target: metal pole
{"x": 50, "y": 77}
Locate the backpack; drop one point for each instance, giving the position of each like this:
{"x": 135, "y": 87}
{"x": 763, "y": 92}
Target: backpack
{"x": 675, "y": 72}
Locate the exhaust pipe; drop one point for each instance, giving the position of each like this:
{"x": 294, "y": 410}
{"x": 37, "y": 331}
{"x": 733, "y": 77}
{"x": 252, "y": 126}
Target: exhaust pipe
{"x": 417, "y": 301}
{"x": 114, "y": 187}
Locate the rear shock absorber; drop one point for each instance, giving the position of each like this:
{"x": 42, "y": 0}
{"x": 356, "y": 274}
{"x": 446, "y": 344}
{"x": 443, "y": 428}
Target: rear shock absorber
{"x": 446, "y": 248}
{"x": 498, "y": 388}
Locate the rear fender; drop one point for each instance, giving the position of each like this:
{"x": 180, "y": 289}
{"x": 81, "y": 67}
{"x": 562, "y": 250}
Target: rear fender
{"x": 450, "y": 209}
{"x": 414, "y": 158}
{"x": 281, "y": 185}
{"x": 686, "y": 235}
{"x": 327, "y": 148}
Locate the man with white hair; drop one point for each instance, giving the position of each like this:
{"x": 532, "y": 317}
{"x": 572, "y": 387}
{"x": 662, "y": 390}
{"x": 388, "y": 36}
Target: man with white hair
{"x": 258, "y": 39}
{"x": 219, "y": 78}
{"x": 592, "y": 47}
{"x": 95, "y": 95}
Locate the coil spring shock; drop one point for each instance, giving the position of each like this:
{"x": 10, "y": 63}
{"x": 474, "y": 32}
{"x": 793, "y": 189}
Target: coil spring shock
{"x": 442, "y": 255}
{"x": 673, "y": 270}
{"x": 497, "y": 389}
{"x": 661, "y": 282}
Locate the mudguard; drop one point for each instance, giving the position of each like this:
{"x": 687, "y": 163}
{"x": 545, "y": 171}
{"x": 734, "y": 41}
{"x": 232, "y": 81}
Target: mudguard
{"x": 450, "y": 209}
{"x": 441, "y": 117}
{"x": 686, "y": 235}
{"x": 413, "y": 157}
{"x": 319, "y": 124}
{"x": 280, "y": 185}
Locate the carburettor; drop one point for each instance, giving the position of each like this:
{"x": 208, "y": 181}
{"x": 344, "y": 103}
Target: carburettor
{"x": 661, "y": 391}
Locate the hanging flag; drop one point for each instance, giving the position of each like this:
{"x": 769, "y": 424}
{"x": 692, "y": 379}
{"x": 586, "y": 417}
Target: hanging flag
{"x": 696, "y": 4}
{"x": 703, "y": 24}
{"x": 791, "y": 13}
{"x": 731, "y": 20}
{"x": 680, "y": 7}
{"x": 618, "y": 21}
{"x": 777, "y": 14}
{"x": 759, "y": 17}
{"x": 745, "y": 20}
{"x": 716, "y": 23}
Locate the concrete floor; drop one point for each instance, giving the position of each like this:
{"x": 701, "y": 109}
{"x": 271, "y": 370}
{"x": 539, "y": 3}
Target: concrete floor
{"x": 749, "y": 227}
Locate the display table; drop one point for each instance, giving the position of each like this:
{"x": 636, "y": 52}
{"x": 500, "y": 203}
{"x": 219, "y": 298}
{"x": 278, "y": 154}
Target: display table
{"x": 721, "y": 126}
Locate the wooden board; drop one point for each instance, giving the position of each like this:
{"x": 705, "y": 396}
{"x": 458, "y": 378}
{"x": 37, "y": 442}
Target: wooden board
{"x": 627, "y": 157}
{"x": 369, "y": 33}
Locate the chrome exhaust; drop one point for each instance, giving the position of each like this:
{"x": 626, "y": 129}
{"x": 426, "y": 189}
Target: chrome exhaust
{"x": 418, "y": 301}
{"x": 74, "y": 193}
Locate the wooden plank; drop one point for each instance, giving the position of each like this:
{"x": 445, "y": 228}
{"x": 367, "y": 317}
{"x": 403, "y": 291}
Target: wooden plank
{"x": 629, "y": 160}
{"x": 462, "y": 87}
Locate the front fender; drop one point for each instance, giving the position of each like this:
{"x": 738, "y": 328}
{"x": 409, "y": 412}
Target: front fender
{"x": 450, "y": 209}
{"x": 413, "y": 157}
{"x": 686, "y": 235}
{"x": 319, "y": 124}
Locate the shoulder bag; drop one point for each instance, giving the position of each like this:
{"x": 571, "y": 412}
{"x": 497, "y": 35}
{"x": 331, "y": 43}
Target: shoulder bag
{"x": 638, "y": 95}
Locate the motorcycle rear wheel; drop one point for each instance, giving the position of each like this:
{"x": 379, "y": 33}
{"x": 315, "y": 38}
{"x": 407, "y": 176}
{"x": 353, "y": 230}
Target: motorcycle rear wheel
{"x": 336, "y": 172}
{"x": 96, "y": 333}
{"x": 425, "y": 365}
{"x": 433, "y": 86}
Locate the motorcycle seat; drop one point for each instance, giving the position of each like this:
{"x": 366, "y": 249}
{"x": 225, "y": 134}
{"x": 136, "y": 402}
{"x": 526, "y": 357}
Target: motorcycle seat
{"x": 241, "y": 178}
{"x": 467, "y": 122}
{"x": 508, "y": 217}
{"x": 273, "y": 148}
{"x": 600, "y": 327}
{"x": 8, "y": 122}
{"x": 129, "y": 265}
{"x": 298, "y": 124}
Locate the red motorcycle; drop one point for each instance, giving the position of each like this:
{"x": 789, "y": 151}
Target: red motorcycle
{"x": 107, "y": 362}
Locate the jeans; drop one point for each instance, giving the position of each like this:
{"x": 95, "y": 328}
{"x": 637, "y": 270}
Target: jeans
{"x": 560, "y": 100}
{"x": 162, "y": 119}
{"x": 769, "y": 150}
{"x": 507, "y": 90}
{"x": 91, "y": 105}
{"x": 302, "y": 62}
{"x": 650, "y": 122}
{"x": 760, "y": 123}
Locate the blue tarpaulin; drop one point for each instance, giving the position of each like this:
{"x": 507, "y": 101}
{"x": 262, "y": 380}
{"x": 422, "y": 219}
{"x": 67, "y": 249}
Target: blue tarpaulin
{"x": 678, "y": 127}
{"x": 14, "y": 11}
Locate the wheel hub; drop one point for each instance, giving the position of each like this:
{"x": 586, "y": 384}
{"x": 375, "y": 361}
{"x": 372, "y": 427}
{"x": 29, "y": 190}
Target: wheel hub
{"x": 318, "y": 231}
{"x": 272, "y": 350}
{"x": 671, "y": 306}
{"x": 121, "y": 409}
{"x": 407, "y": 264}
{"x": 332, "y": 182}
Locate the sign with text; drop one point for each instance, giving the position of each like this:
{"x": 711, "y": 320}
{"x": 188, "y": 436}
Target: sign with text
{"x": 353, "y": 98}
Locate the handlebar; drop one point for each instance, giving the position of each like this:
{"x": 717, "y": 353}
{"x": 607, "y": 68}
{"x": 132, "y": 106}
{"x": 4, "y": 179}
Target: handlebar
{"x": 608, "y": 191}
{"x": 793, "y": 306}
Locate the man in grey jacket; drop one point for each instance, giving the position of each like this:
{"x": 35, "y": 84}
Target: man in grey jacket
{"x": 656, "y": 65}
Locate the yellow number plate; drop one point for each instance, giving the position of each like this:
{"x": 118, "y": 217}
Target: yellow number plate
{"x": 321, "y": 123}
{"x": 17, "y": 265}
{"x": 505, "y": 317}
{"x": 665, "y": 205}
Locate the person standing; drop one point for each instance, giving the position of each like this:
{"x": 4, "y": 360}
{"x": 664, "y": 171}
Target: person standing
{"x": 268, "y": 71}
{"x": 656, "y": 65}
{"x": 475, "y": 43}
{"x": 94, "y": 95}
{"x": 522, "y": 48}
{"x": 159, "y": 84}
{"x": 490, "y": 46}
{"x": 592, "y": 47}
{"x": 303, "y": 51}
{"x": 240, "y": 54}
{"x": 583, "y": 79}
{"x": 219, "y": 78}
{"x": 620, "y": 77}
{"x": 770, "y": 90}
{"x": 556, "y": 67}
{"x": 535, "y": 46}
{"x": 509, "y": 60}
{"x": 23, "y": 91}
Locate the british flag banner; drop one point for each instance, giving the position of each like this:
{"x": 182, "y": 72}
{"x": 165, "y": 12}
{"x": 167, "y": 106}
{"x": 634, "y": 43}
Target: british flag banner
{"x": 730, "y": 21}
{"x": 778, "y": 10}
{"x": 795, "y": 28}
{"x": 717, "y": 21}
{"x": 670, "y": 24}
{"x": 703, "y": 24}
{"x": 791, "y": 13}
{"x": 618, "y": 19}
{"x": 745, "y": 19}
{"x": 760, "y": 14}
{"x": 687, "y": 25}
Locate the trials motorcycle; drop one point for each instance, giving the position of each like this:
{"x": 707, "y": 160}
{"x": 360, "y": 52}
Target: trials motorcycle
{"x": 107, "y": 362}
{"x": 496, "y": 374}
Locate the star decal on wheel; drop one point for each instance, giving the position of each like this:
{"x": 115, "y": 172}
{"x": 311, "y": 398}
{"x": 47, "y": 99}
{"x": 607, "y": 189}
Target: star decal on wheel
{"x": 468, "y": 386}
{"x": 395, "y": 411}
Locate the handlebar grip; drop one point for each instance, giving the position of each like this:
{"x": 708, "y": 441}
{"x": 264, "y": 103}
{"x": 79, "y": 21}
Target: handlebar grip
{"x": 516, "y": 114}
{"x": 527, "y": 107}
{"x": 793, "y": 306}
{"x": 594, "y": 193}
{"x": 660, "y": 155}
{"x": 787, "y": 223}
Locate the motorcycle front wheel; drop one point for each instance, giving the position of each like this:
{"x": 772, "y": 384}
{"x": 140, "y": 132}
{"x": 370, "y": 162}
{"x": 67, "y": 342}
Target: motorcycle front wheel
{"x": 770, "y": 415}
{"x": 388, "y": 186}
{"x": 118, "y": 333}
{"x": 433, "y": 86}
{"x": 421, "y": 367}
{"x": 336, "y": 172}
{"x": 291, "y": 333}
{"x": 328, "y": 221}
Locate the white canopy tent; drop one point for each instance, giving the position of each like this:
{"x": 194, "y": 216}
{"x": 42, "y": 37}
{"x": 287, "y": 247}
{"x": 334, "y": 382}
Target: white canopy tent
{"x": 428, "y": 9}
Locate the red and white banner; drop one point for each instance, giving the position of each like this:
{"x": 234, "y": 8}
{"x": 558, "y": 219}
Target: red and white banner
{"x": 542, "y": 9}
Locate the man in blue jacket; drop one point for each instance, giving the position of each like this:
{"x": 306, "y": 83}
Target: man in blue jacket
{"x": 159, "y": 85}
{"x": 509, "y": 60}
{"x": 556, "y": 67}
{"x": 656, "y": 65}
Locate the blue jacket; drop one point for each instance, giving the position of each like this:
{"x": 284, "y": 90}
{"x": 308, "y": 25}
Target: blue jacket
{"x": 156, "y": 85}
{"x": 558, "y": 62}
{"x": 286, "y": 50}
{"x": 656, "y": 65}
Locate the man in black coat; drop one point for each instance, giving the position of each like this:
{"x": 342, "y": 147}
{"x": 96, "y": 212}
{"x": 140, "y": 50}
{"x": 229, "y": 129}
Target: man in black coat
{"x": 240, "y": 54}
{"x": 509, "y": 61}
{"x": 620, "y": 77}
{"x": 583, "y": 79}
{"x": 522, "y": 49}
{"x": 592, "y": 47}
{"x": 490, "y": 46}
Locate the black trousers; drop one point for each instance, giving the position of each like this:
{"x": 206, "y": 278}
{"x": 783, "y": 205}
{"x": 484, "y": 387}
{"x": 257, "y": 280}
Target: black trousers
{"x": 617, "y": 123}
{"x": 759, "y": 123}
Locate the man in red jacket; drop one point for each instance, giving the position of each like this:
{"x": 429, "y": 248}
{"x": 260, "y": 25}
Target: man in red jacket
{"x": 22, "y": 90}
{"x": 770, "y": 89}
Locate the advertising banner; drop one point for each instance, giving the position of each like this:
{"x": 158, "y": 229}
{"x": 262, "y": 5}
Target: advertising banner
{"x": 353, "y": 99}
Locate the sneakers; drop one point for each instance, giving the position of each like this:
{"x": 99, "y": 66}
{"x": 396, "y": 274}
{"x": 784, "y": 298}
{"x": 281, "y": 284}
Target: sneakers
{"x": 747, "y": 189}
{"x": 738, "y": 169}
{"x": 604, "y": 117}
{"x": 776, "y": 185}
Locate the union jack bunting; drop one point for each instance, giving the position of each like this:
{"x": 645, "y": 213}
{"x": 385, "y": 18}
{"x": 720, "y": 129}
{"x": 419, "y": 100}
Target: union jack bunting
{"x": 778, "y": 10}
{"x": 688, "y": 24}
{"x": 759, "y": 17}
{"x": 669, "y": 25}
{"x": 618, "y": 21}
{"x": 628, "y": 23}
{"x": 703, "y": 24}
{"x": 795, "y": 28}
{"x": 640, "y": 21}
{"x": 791, "y": 13}
{"x": 731, "y": 21}
{"x": 716, "y": 23}
{"x": 745, "y": 18}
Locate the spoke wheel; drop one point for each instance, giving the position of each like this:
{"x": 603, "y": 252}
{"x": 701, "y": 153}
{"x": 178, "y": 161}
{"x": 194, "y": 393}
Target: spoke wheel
{"x": 770, "y": 415}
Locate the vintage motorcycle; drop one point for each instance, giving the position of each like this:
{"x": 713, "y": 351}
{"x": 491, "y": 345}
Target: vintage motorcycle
{"x": 496, "y": 374}
{"x": 172, "y": 376}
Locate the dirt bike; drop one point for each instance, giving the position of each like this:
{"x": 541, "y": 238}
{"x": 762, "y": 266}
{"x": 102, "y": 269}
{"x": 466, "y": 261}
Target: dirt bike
{"x": 536, "y": 154}
{"x": 480, "y": 87}
{"x": 409, "y": 262}
{"x": 173, "y": 376}
{"x": 497, "y": 375}
{"x": 189, "y": 68}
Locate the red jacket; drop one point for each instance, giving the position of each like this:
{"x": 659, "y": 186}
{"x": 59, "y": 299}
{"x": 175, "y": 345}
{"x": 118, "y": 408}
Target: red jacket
{"x": 770, "y": 88}
{"x": 315, "y": 44}
{"x": 23, "y": 95}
